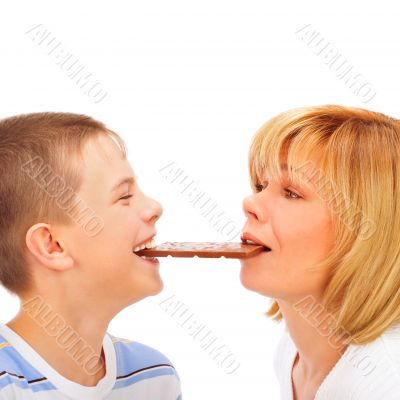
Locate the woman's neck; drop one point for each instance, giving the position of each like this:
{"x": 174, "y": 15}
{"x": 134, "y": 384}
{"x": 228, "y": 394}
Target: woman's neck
{"x": 318, "y": 352}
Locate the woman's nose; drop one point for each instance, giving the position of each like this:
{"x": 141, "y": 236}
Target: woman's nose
{"x": 250, "y": 208}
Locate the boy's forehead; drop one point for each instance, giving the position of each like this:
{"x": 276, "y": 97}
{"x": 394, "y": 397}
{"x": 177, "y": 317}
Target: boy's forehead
{"x": 104, "y": 162}
{"x": 102, "y": 146}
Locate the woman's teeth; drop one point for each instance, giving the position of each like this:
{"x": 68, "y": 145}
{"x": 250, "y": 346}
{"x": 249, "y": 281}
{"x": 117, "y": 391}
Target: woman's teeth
{"x": 251, "y": 242}
{"x": 148, "y": 245}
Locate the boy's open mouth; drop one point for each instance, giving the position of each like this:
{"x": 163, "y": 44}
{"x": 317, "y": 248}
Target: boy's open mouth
{"x": 148, "y": 244}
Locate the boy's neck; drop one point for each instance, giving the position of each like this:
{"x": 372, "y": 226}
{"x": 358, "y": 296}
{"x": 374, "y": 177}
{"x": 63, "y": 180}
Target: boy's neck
{"x": 40, "y": 336}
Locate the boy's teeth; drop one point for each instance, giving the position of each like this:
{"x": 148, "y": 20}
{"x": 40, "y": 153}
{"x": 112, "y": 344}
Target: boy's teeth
{"x": 150, "y": 244}
{"x": 147, "y": 245}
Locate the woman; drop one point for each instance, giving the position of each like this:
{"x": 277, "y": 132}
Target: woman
{"x": 326, "y": 202}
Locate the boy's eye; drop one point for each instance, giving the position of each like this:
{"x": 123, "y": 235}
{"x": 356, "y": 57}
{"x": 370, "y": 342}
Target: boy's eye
{"x": 126, "y": 197}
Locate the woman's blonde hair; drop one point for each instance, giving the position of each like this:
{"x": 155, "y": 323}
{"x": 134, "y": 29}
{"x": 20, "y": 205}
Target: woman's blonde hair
{"x": 354, "y": 155}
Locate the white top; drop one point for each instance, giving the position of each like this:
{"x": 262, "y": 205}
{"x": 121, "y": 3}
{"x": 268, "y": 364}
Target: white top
{"x": 133, "y": 371}
{"x": 364, "y": 372}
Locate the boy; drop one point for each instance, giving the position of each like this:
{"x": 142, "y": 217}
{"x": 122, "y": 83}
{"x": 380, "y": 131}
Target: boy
{"x": 71, "y": 216}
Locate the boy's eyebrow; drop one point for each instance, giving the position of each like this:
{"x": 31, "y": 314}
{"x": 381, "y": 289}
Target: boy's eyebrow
{"x": 128, "y": 179}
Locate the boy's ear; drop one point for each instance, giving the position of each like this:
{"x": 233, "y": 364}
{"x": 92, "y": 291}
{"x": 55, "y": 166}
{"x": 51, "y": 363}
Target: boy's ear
{"x": 44, "y": 247}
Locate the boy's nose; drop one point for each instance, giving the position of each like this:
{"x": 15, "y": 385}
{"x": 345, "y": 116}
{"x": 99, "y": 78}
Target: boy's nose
{"x": 154, "y": 211}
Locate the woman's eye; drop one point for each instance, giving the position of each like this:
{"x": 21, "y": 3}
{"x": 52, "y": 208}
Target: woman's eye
{"x": 126, "y": 197}
{"x": 291, "y": 195}
{"x": 289, "y": 192}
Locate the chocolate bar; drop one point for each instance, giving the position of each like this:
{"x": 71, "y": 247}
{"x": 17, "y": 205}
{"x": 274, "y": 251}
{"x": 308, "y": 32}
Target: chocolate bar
{"x": 203, "y": 250}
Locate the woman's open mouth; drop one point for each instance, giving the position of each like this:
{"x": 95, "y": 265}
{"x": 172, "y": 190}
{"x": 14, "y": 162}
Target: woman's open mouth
{"x": 266, "y": 249}
{"x": 249, "y": 238}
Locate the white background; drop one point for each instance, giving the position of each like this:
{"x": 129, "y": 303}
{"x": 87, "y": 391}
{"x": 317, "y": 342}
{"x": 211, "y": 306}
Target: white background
{"x": 190, "y": 82}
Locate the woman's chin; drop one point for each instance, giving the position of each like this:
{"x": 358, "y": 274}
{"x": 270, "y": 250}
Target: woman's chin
{"x": 261, "y": 285}
{"x": 249, "y": 280}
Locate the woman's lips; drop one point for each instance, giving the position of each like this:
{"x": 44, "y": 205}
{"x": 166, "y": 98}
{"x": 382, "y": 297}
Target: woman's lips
{"x": 247, "y": 237}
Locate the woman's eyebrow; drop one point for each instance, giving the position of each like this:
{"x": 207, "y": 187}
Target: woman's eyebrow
{"x": 304, "y": 180}
{"x": 128, "y": 179}
{"x": 302, "y": 184}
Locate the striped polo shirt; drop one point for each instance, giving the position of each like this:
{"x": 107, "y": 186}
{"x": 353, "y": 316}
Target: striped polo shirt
{"x": 133, "y": 371}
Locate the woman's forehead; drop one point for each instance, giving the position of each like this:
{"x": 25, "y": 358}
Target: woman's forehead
{"x": 306, "y": 174}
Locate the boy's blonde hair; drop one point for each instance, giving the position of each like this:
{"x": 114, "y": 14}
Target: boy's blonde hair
{"x": 34, "y": 149}
{"x": 354, "y": 155}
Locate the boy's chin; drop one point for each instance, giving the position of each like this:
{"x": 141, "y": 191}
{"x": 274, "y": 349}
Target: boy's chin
{"x": 157, "y": 288}
{"x": 150, "y": 289}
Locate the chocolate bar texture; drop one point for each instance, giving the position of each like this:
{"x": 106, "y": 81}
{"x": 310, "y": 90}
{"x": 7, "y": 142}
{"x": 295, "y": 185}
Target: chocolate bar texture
{"x": 203, "y": 250}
